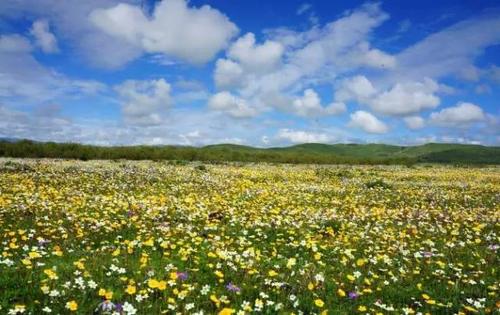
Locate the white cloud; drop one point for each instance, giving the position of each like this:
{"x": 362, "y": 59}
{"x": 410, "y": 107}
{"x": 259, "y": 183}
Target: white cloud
{"x": 378, "y": 59}
{"x": 144, "y": 102}
{"x": 405, "y": 98}
{"x": 261, "y": 58}
{"x": 460, "y": 115}
{"x": 227, "y": 73}
{"x": 70, "y": 18}
{"x": 44, "y": 38}
{"x": 236, "y": 107}
{"x": 309, "y": 105}
{"x": 14, "y": 43}
{"x": 23, "y": 76}
{"x": 189, "y": 33}
{"x": 414, "y": 122}
{"x": 367, "y": 122}
{"x": 357, "y": 88}
{"x": 300, "y": 136}
{"x": 269, "y": 74}
{"x": 441, "y": 54}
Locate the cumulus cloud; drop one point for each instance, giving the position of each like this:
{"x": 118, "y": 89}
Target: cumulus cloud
{"x": 144, "y": 102}
{"x": 309, "y": 105}
{"x": 414, "y": 122}
{"x": 271, "y": 73}
{"x": 405, "y": 98}
{"x": 44, "y": 38}
{"x": 236, "y": 107}
{"x": 175, "y": 29}
{"x": 256, "y": 58}
{"x": 357, "y": 88}
{"x": 367, "y": 122}
{"x": 462, "y": 114}
{"x": 300, "y": 136}
{"x": 227, "y": 73}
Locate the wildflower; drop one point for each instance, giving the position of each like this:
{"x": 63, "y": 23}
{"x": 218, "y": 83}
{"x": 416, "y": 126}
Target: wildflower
{"x": 272, "y": 273}
{"x": 72, "y": 305}
{"x": 226, "y": 311}
{"x": 353, "y": 295}
{"x": 231, "y": 287}
{"x": 319, "y": 303}
{"x": 341, "y": 292}
{"x": 131, "y": 289}
{"x": 129, "y": 308}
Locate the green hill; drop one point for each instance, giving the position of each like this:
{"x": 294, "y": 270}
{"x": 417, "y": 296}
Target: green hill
{"x": 302, "y": 153}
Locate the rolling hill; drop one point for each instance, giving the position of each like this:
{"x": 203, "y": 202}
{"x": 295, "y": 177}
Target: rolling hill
{"x": 301, "y": 153}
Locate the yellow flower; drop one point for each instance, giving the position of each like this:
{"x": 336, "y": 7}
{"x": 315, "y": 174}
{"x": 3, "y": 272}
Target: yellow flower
{"x": 351, "y": 277}
{"x": 432, "y": 302}
{"x": 362, "y": 308}
{"x": 219, "y": 274}
{"x": 226, "y": 311}
{"x": 341, "y": 292}
{"x": 360, "y": 262}
{"x": 102, "y": 292}
{"x": 214, "y": 299}
{"x": 153, "y": 283}
{"x": 425, "y": 296}
{"x": 50, "y": 273}
{"x": 319, "y": 303}
{"x": 108, "y": 295}
{"x": 149, "y": 242}
{"x": 291, "y": 262}
{"x": 317, "y": 256}
{"x": 310, "y": 286}
{"x": 72, "y": 305}
{"x": 162, "y": 285}
{"x": 33, "y": 255}
{"x": 173, "y": 275}
{"x": 131, "y": 289}
{"x": 272, "y": 273}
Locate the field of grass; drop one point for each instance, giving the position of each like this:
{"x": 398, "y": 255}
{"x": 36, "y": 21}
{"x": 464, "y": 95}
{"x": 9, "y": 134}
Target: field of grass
{"x": 147, "y": 237}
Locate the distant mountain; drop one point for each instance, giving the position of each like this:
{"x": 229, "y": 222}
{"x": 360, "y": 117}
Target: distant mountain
{"x": 6, "y": 139}
{"x": 301, "y": 153}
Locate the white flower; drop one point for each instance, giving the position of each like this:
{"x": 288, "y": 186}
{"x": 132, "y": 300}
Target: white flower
{"x": 205, "y": 289}
{"x": 129, "y": 309}
{"x": 46, "y": 309}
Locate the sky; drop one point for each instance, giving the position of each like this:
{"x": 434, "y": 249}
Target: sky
{"x": 260, "y": 73}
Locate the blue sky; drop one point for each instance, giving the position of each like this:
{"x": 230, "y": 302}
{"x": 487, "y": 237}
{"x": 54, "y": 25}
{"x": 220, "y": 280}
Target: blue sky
{"x": 265, "y": 73}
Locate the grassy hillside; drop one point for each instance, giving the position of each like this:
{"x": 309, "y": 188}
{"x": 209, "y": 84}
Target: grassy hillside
{"x": 302, "y": 153}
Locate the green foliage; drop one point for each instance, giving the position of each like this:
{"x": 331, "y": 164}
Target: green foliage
{"x": 310, "y": 153}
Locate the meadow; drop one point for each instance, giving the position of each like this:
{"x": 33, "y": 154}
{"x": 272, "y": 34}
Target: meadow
{"x": 143, "y": 237}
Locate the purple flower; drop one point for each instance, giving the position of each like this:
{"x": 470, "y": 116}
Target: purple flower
{"x": 119, "y": 307}
{"x": 231, "y": 287}
{"x": 353, "y": 295}
{"x": 428, "y": 254}
{"x": 182, "y": 276}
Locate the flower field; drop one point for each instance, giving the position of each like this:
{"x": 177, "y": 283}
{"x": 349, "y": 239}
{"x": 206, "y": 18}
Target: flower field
{"x": 103, "y": 237}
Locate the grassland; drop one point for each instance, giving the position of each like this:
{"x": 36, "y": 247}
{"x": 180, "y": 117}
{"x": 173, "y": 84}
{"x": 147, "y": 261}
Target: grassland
{"x": 116, "y": 237}
{"x": 309, "y": 153}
